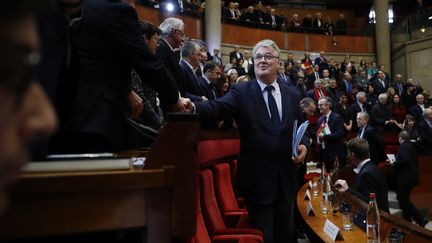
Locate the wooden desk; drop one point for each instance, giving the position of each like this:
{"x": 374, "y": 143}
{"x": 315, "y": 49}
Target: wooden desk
{"x": 316, "y": 223}
{"x": 62, "y": 203}
{"x": 48, "y": 204}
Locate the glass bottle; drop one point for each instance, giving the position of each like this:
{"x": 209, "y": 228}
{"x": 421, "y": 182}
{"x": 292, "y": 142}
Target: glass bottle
{"x": 372, "y": 221}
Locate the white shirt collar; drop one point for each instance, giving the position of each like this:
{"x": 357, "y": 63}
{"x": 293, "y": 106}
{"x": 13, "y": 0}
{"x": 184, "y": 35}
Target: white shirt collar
{"x": 274, "y": 84}
{"x": 190, "y": 66}
{"x": 360, "y": 166}
{"x": 206, "y": 79}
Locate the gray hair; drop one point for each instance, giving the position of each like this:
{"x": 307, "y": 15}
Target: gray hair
{"x": 360, "y": 94}
{"x": 327, "y": 100}
{"x": 266, "y": 43}
{"x": 306, "y": 102}
{"x": 189, "y": 48}
{"x": 364, "y": 114}
{"x": 382, "y": 96}
{"x": 170, "y": 24}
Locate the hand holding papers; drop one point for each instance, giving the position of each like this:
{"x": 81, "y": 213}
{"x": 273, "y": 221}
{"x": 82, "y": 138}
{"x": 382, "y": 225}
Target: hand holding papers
{"x": 297, "y": 137}
{"x": 391, "y": 158}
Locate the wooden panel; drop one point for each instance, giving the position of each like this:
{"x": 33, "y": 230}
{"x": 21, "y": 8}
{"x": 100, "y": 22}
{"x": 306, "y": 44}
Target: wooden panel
{"x": 234, "y": 34}
{"x": 296, "y": 41}
{"x": 345, "y": 44}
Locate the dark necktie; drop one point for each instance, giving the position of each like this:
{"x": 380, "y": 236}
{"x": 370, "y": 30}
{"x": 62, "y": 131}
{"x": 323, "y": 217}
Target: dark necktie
{"x": 275, "y": 118}
{"x": 212, "y": 92}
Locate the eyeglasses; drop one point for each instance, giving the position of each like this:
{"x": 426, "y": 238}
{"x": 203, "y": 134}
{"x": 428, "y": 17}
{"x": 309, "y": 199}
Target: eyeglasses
{"x": 180, "y": 31}
{"x": 156, "y": 38}
{"x": 267, "y": 57}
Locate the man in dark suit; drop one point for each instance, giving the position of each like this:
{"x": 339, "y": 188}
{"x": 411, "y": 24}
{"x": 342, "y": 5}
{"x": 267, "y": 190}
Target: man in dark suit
{"x": 189, "y": 64}
{"x": 109, "y": 44}
{"x": 172, "y": 33}
{"x": 211, "y": 73}
{"x": 406, "y": 169}
{"x": 282, "y": 75}
{"x": 265, "y": 111}
{"x": 424, "y": 128}
{"x": 381, "y": 115}
{"x": 236, "y": 54}
{"x": 359, "y": 106}
{"x": 398, "y": 85}
{"x": 331, "y": 131}
{"x": 380, "y": 84}
{"x": 272, "y": 20}
{"x": 417, "y": 110}
{"x": 369, "y": 177}
{"x": 376, "y": 143}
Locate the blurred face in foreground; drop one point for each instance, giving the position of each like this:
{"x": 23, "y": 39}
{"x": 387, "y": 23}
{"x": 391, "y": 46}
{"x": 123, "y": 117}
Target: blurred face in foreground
{"x": 25, "y": 111}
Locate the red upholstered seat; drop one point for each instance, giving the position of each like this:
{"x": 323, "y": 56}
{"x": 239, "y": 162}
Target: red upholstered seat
{"x": 390, "y": 138}
{"x": 210, "y": 150}
{"x": 211, "y": 213}
{"x": 233, "y": 215}
{"x": 392, "y": 149}
{"x": 202, "y": 236}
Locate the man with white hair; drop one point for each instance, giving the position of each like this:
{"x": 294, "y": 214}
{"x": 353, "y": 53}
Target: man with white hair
{"x": 264, "y": 111}
{"x": 172, "y": 34}
{"x": 381, "y": 114}
{"x": 417, "y": 110}
{"x": 359, "y": 106}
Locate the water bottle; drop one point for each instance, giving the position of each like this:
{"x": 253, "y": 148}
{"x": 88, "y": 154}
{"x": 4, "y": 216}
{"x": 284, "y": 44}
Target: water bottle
{"x": 373, "y": 221}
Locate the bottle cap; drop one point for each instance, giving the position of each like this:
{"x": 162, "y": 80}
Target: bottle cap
{"x": 372, "y": 195}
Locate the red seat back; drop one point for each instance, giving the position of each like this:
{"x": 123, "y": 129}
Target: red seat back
{"x": 210, "y": 208}
{"x": 210, "y": 150}
{"x": 223, "y": 188}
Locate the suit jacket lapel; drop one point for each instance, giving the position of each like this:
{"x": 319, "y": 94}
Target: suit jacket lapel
{"x": 286, "y": 107}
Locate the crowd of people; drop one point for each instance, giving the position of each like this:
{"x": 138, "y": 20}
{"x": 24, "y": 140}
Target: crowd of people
{"x": 259, "y": 15}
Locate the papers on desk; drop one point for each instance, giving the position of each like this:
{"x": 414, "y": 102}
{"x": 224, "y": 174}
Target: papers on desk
{"x": 391, "y": 158}
{"x": 298, "y": 134}
{"x": 82, "y": 162}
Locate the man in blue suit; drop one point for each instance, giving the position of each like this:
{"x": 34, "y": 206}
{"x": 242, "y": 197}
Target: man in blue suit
{"x": 265, "y": 111}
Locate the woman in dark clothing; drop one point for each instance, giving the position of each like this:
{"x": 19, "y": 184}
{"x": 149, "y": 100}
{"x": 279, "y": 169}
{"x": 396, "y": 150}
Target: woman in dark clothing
{"x": 409, "y": 126}
{"x": 372, "y": 97}
{"x": 240, "y": 69}
{"x": 152, "y": 114}
{"x": 343, "y": 109}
